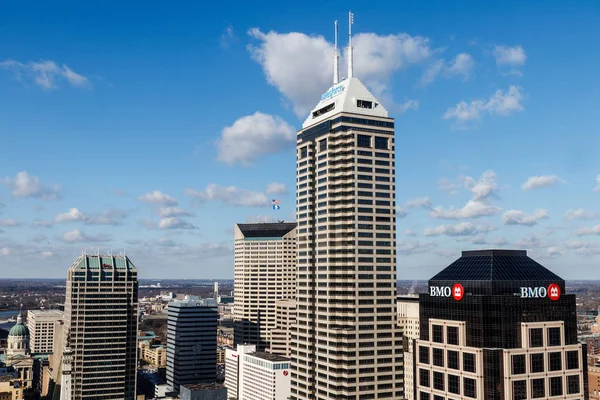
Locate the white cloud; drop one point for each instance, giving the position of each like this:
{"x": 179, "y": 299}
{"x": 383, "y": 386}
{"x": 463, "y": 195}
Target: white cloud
{"x": 276, "y": 188}
{"x": 449, "y": 186}
{"x": 168, "y": 212}
{"x": 400, "y": 213}
{"x": 554, "y": 251}
{"x": 595, "y": 230}
{"x": 109, "y": 217}
{"x": 421, "y": 202}
{"x": 518, "y": 217}
{"x": 483, "y": 190}
{"x": 461, "y": 66}
{"x": 498, "y": 241}
{"x": 410, "y": 232}
{"x": 583, "y": 248}
{"x": 404, "y": 107}
{"x": 174, "y": 223}
{"x": 158, "y": 197}
{"x": 543, "y": 181}
{"x": 500, "y": 103}
{"x": 76, "y": 236}
{"x": 301, "y": 66}
{"x": 257, "y": 219}
{"x": 460, "y": 229}
{"x": 511, "y": 56}
{"x": 231, "y": 195}
{"x": 414, "y": 247}
{"x": 254, "y": 136}
{"x": 45, "y": 74}
{"x": 227, "y": 37}
{"x": 530, "y": 242}
{"x": 72, "y": 215}
{"x": 9, "y": 223}
{"x": 580, "y": 214}
{"x": 597, "y": 188}
{"x": 26, "y": 186}
{"x": 43, "y": 224}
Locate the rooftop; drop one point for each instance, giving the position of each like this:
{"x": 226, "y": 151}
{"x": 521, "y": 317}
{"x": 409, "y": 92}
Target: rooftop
{"x": 119, "y": 262}
{"x": 44, "y": 313}
{"x": 270, "y": 357}
{"x": 203, "y": 386}
{"x": 495, "y": 265}
{"x": 266, "y": 230}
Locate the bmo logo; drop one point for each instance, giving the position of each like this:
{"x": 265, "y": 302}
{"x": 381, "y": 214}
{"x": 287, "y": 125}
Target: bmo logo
{"x": 552, "y": 292}
{"x": 457, "y": 291}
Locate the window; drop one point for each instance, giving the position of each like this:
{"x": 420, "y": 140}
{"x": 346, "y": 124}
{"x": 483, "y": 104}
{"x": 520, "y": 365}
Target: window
{"x": 438, "y": 333}
{"x": 469, "y": 362}
{"x": 518, "y": 364}
{"x": 381, "y": 143}
{"x": 555, "y": 361}
{"x": 452, "y": 335}
{"x": 438, "y": 380}
{"x": 454, "y": 384}
{"x": 453, "y": 359}
{"x": 436, "y": 397}
{"x": 303, "y": 152}
{"x": 364, "y": 104}
{"x": 536, "y": 337}
{"x": 573, "y": 384}
{"x": 556, "y": 387}
{"x": 537, "y": 388}
{"x": 519, "y": 390}
{"x": 363, "y": 141}
{"x": 424, "y": 355}
{"x": 573, "y": 359}
{"x": 554, "y": 337}
{"x": 537, "y": 363}
{"x": 423, "y": 396}
{"x": 438, "y": 357}
{"x": 424, "y": 377}
{"x": 469, "y": 388}
{"x": 323, "y": 145}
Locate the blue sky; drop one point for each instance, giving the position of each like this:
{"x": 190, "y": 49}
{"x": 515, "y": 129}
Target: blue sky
{"x": 153, "y": 128}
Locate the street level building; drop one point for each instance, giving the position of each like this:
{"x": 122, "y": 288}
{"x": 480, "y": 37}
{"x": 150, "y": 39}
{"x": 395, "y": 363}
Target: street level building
{"x": 497, "y": 325}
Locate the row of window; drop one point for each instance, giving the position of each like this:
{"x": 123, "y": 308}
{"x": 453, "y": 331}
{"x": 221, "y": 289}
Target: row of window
{"x": 453, "y": 359}
{"x": 439, "y": 383}
{"x": 538, "y": 387}
{"x": 553, "y": 337}
{"x": 536, "y": 362}
{"x": 451, "y": 334}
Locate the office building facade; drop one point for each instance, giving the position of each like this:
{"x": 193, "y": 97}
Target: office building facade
{"x": 408, "y": 322}
{"x": 265, "y": 271}
{"x": 191, "y": 342}
{"x": 41, "y": 329}
{"x": 281, "y": 336}
{"x": 497, "y": 325}
{"x": 101, "y": 311}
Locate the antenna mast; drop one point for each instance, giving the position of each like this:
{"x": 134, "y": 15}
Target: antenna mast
{"x": 350, "y": 61}
{"x": 336, "y": 57}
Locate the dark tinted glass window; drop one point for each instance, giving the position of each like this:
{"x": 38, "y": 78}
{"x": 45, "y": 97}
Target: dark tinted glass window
{"x": 424, "y": 354}
{"x": 323, "y": 145}
{"x": 536, "y": 338}
{"x": 438, "y": 380}
{"x": 363, "y": 141}
{"x": 556, "y": 387}
{"x": 423, "y": 396}
{"x": 538, "y": 387}
{"x": 438, "y": 357}
{"x": 572, "y": 359}
{"x": 537, "y": 363}
{"x": 438, "y": 333}
{"x": 453, "y": 359}
{"x": 453, "y": 384}
{"x": 424, "y": 377}
{"x": 554, "y": 337}
{"x": 435, "y": 397}
{"x": 469, "y": 388}
{"x": 573, "y": 384}
{"x": 555, "y": 361}
{"x": 519, "y": 390}
{"x": 518, "y": 364}
{"x": 469, "y": 362}
{"x": 452, "y": 335}
{"x": 381, "y": 143}
{"x": 303, "y": 152}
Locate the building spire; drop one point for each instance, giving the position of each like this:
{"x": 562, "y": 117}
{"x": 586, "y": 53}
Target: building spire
{"x": 336, "y": 57}
{"x": 350, "y": 61}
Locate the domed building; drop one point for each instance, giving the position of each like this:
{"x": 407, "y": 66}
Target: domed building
{"x": 17, "y": 352}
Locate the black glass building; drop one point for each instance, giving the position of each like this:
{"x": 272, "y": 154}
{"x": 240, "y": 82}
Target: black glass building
{"x": 498, "y": 325}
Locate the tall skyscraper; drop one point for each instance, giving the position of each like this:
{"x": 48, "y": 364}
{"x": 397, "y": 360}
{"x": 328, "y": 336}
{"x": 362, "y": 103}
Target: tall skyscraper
{"x": 41, "y": 329}
{"x": 496, "y": 325}
{"x": 101, "y": 310}
{"x": 265, "y": 271}
{"x": 191, "y": 342}
{"x": 346, "y": 344}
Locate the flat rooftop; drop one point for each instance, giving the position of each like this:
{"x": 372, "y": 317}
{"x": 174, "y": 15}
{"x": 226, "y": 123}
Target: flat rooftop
{"x": 46, "y": 312}
{"x": 203, "y": 386}
{"x": 270, "y": 357}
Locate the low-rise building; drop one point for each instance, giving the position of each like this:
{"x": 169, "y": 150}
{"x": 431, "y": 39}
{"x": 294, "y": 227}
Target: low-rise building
{"x": 153, "y": 354}
{"x": 203, "y": 391}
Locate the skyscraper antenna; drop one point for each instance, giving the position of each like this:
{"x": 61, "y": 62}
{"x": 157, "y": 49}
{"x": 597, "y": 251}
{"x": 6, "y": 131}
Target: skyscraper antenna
{"x": 336, "y": 57}
{"x": 350, "y": 61}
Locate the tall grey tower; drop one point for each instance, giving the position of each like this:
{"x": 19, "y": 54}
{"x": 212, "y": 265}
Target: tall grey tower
{"x": 346, "y": 344}
{"x": 101, "y": 309}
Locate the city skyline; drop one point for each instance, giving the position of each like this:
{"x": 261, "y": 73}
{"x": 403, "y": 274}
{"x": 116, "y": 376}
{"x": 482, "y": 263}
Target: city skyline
{"x": 158, "y": 138}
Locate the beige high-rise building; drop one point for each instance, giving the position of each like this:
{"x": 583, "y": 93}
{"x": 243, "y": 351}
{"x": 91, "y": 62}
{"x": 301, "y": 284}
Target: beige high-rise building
{"x": 101, "y": 319}
{"x": 408, "y": 322}
{"x": 265, "y": 271}
{"x": 346, "y": 344}
{"x": 41, "y": 329}
{"x": 285, "y": 311}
